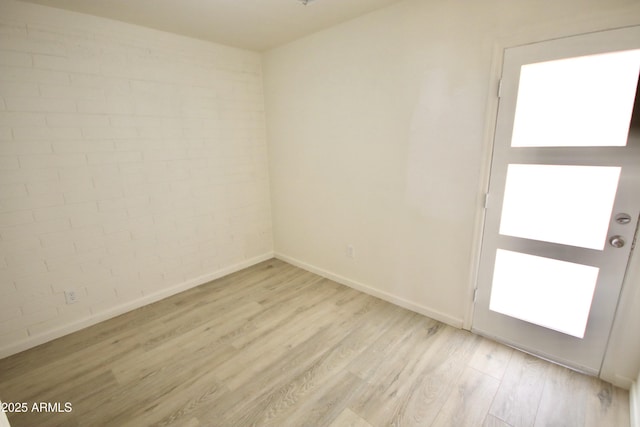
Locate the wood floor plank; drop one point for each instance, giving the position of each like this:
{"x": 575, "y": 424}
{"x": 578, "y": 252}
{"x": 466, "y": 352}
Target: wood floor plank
{"x": 491, "y": 358}
{"x": 491, "y": 421}
{"x": 606, "y": 405}
{"x": 468, "y": 403}
{"x": 295, "y": 305}
{"x": 409, "y": 387}
{"x": 187, "y": 348}
{"x": 277, "y": 345}
{"x": 89, "y": 387}
{"x": 348, "y": 418}
{"x": 381, "y": 349}
{"x": 520, "y": 391}
{"x": 252, "y": 394}
{"x": 43, "y": 419}
{"x": 265, "y": 350}
{"x": 564, "y": 398}
{"x": 152, "y": 399}
{"x": 329, "y": 402}
{"x": 270, "y": 347}
{"x": 301, "y": 370}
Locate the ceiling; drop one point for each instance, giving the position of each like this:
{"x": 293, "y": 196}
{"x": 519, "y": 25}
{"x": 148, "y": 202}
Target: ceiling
{"x": 249, "y": 24}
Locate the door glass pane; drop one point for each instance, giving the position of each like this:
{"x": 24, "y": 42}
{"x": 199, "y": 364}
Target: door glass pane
{"x": 583, "y": 101}
{"x": 570, "y": 205}
{"x": 550, "y": 293}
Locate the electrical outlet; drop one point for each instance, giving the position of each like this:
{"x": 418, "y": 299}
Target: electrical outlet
{"x": 71, "y": 296}
{"x": 351, "y": 251}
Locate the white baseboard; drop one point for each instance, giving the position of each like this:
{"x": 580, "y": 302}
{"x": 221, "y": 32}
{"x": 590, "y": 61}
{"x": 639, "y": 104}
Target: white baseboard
{"x": 42, "y": 338}
{"x": 399, "y": 301}
{"x": 634, "y": 404}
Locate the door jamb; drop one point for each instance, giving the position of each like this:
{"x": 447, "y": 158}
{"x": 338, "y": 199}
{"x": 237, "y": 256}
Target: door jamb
{"x": 491, "y": 116}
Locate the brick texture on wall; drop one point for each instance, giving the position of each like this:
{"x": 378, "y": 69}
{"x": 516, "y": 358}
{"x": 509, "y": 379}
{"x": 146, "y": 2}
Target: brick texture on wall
{"x": 133, "y": 164}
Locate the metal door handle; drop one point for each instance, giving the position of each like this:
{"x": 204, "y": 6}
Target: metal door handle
{"x": 616, "y": 241}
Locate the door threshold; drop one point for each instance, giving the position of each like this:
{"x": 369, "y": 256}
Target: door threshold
{"x": 539, "y": 355}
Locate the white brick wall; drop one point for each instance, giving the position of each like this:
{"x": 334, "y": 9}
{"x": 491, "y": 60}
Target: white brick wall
{"x": 132, "y": 165}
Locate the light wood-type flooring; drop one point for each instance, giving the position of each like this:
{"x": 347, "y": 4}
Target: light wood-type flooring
{"x": 276, "y": 345}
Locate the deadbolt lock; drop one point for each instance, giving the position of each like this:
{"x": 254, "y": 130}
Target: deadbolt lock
{"x": 616, "y": 241}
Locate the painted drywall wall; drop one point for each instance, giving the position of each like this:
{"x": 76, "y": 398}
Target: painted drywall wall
{"x": 132, "y": 166}
{"x": 377, "y": 132}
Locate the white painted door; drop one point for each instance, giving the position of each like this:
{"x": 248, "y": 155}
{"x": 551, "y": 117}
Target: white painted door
{"x": 564, "y": 196}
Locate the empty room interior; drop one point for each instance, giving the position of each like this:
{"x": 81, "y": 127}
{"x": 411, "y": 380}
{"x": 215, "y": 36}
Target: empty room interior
{"x": 319, "y": 213}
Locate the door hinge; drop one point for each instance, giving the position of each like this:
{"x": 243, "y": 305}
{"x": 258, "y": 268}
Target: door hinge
{"x": 475, "y": 294}
{"x": 486, "y": 201}
{"x": 500, "y": 88}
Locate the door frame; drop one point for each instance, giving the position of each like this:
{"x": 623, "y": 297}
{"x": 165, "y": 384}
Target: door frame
{"x": 491, "y": 114}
